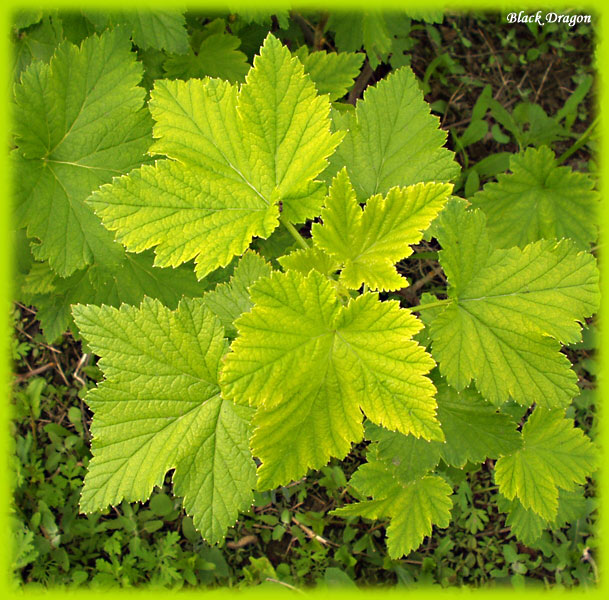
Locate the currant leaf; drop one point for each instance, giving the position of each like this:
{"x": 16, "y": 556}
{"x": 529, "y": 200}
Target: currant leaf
{"x": 539, "y": 200}
{"x": 159, "y": 408}
{"x": 413, "y": 505}
{"x": 411, "y": 457}
{"x": 229, "y": 300}
{"x": 332, "y": 73}
{"x": 79, "y": 121}
{"x": 473, "y": 428}
{"x": 216, "y": 56}
{"x": 368, "y": 243}
{"x": 310, "y": 364}
{"x": 234, "y": 154}
{"x": 555, "y": 454}
{"x": 508, "y": 312}
{"x": 392, "y": 139}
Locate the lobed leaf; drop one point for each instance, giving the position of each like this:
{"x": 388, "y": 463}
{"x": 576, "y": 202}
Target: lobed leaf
{"x": 230, "y": 300}
{"x": 235, "y": 154}
{"x": 332, "y": 73}
{"x": 539, "y": 200}
{"x": 310, "y": 364}
{"x": 554, "y": 455}
{"x": 368, "y": 243}
{"x": 413, "y": 505}
{"x": 129, "y": 281}
{"x": 159, "y": 408}
{"x": 79, "y": 121}
{"x": 392, "y": 139}
{"x": 508, "y": 311}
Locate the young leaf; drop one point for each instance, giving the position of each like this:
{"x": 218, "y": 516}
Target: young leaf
{"x": 234, "y": 155}
{"x": 555, "y": 455}
{"x": 412, "y": 505}
{"x": 508, "y": 311}
{"x": 539, "y": 200}
{"x": 332, "y": 73}
{"x": 79, "y": 121}
{"x": 229, "y": 300}
{"x": 310, "y": 364}
{"x": 314, "y": 258}
{"x": 392, "y": 139}
{"x": 159, "y": 408}
{"x": 160, "y": 29}
{"x": 371, "y": 241}
{"x": 368, "y": 29}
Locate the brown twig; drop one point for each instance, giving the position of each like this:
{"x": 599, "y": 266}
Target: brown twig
{"x": 284, "y": 584}
{"x": 360, "y": 83}
{"x": 60, "y": 370}
{"x": 246, "y": 540}
{"x": 543, "y": 80}
{"x": 312, "y": 535}
{"x": 37, "y": 371}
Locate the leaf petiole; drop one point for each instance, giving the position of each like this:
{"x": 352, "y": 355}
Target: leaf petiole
{"x": 431, "y": 305}
{"x": 294, "y": 232}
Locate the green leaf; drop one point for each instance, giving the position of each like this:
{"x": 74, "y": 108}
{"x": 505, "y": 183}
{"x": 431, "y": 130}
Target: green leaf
{"x": 371, "y": 241}
{"x": 310, "y": 364}
{"x": 38, "y": 43}
{"x": 186, "y": 212}
{"x": 525, "y": 524}
{"x": 216, "y": 56}
{"x": 26, "y": 18}
{"x": 411, "y": 457}
{"x": 79, "y": 121}
{"x": 539, "y": 200}
{"x": 158, "y": 29}
{"x": 554, "y": 455}
{"x": 368, "y": 29}
{"x": 126, "y": 282}
{"x": 236, "y": 154}
{"x": 509, "y": 311}
{"x": 159, "y": 408}
{"x": 473, "y": 428}
{"x": 313, "y": 258}
{"x": 528, "y": 526}
{"x": 229, "y": 300}
{"x": 332, "y": 73}
{"x": 392, "y": 139}
{"x": 162, "y": 30}
{"x": 413, "y": 506}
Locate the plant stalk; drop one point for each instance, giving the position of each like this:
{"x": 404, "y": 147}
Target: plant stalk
{"x": 583, "y": 138}
{"x": 435, "y": 304}
{"x": 294, "y": 233}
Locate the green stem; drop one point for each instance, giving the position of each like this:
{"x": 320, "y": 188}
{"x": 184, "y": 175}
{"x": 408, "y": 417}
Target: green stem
{"x": 294, "y": 232}
{"x": 424, "y": 255}
{"x": 583, "y": 138}
{"x": 421, "y": 307}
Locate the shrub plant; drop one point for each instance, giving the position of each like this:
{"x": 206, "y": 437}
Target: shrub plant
{"x": 285, "y": 342}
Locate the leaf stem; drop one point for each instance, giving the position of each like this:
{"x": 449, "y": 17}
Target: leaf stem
{"x": 425, "y": 255}
{"x": 435, "y": 304}
{"x": 583, "y": 138}
{"x": 294, "y": 233}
